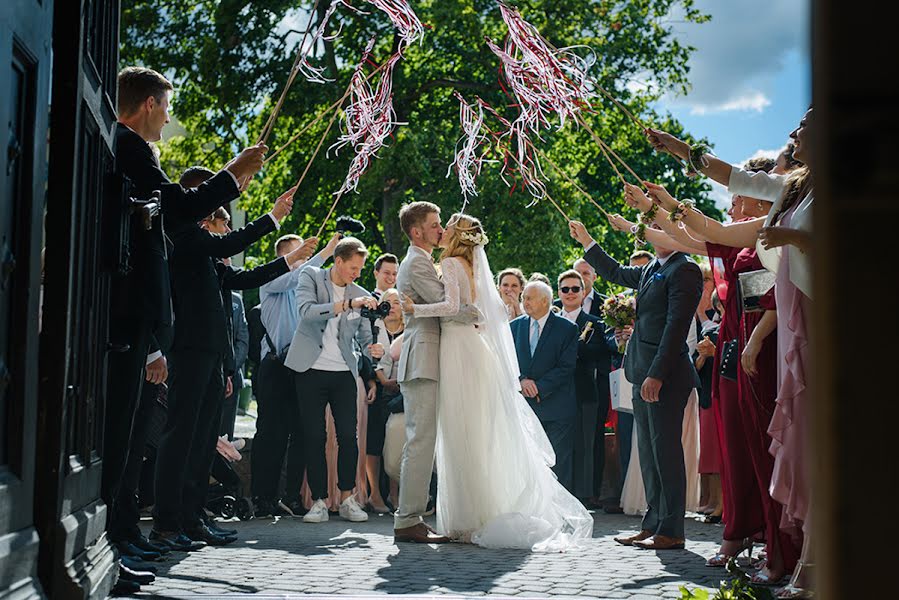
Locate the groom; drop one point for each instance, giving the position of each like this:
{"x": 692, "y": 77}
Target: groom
{"x": 657, "y": 362}
{"x": 419, "y": 372}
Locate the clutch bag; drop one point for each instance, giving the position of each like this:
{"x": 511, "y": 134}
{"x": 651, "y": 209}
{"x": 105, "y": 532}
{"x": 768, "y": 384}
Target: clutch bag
{"x": 754, "y": 285}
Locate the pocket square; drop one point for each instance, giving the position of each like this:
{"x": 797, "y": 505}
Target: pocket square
{"x": 658, "y": 277}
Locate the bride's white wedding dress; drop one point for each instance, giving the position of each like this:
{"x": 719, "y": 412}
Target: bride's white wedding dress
{"x": 495, "y": 485}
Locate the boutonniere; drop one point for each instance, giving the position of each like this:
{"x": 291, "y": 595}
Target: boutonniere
{"x": 586, "y": 331}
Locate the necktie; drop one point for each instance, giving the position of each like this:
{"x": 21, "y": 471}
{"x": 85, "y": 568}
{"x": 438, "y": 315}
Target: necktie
{"x": 588, "y": 304}
{"x": 535, "y": 335}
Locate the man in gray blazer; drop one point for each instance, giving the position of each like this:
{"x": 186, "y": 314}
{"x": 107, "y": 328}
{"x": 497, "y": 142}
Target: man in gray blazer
{"x": 658, "y": 363}
{"x": 323, "y": 354}
{"x": 419, "y": 371}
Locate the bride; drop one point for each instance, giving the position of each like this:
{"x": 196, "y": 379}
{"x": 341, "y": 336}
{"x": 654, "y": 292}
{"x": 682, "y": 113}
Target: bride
{"x": 496, "y": 487}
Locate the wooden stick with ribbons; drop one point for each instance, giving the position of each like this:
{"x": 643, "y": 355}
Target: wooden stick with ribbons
{"x": 270, "y": 123}
{"x": 608, "y": 150}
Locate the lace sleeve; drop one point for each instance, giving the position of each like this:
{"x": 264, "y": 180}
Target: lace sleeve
{"x": 450, "y": 304}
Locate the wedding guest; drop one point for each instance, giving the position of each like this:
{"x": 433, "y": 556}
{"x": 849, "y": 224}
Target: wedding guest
{"x": 592, "y": 349}
{"x": 624, "y": 429}
{"x": 510, "y": 283}
{"x": 322, "y": 355}
{"x": 201, "y": 346}
{"x": 546, "y": 346}
{"x": 390, "y": 328}
{"x": 141, "y": 300}
{"x": 279, "y": 428}
{"x": 657, "y": 363}
{"x": 386, "y": 267}
{"x": 787, "y": 226}
{"x": 709, "y": 444}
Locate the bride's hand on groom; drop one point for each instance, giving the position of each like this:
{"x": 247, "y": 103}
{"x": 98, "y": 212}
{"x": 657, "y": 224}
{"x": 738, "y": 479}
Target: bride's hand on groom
{"x": 408, "y": 305}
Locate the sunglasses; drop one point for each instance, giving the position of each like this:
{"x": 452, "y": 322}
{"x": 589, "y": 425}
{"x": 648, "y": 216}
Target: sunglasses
{"x": 573, "y": 289}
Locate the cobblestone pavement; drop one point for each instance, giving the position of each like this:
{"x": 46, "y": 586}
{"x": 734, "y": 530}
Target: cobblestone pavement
{"x": 288, "y": 558}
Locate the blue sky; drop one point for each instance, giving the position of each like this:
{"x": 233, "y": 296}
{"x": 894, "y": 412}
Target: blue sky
{"x": 750, "y": 76}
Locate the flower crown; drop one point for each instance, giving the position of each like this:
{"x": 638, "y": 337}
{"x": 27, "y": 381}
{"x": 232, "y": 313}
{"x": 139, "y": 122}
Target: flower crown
{"x": 477, "y": 238}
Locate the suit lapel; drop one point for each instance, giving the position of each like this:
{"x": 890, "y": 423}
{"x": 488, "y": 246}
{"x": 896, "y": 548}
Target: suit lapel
{"x": 550, "y": 323}
{"x": 648, "y": 279}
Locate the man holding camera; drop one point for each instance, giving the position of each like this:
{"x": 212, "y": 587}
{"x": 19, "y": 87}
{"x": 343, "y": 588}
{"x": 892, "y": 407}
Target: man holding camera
{"x": 323, "y": 355}
{"x": 278, "y": 426}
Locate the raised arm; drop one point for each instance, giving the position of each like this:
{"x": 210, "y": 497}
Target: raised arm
{"x": 736, "y": 235}
{"x": 606, "y": 267}
{"x": 711, "y": 166}
{"x": 679, "y": 243}
{"x": 241, "y": 279}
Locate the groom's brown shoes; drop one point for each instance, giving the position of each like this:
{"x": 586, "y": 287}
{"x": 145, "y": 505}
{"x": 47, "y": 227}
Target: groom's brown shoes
{"x": 629, "y": 541}
{"x": 660, "y": 542}
{"x": 419, "y": 534}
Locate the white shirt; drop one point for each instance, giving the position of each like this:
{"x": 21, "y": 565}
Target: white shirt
{"x": 663, "y": 260}
{"x": 588, "y": 302}
{"x": 573, "y": 315}
{"x": 331, "y": 359}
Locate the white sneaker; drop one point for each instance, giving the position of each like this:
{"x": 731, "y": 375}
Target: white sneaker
{"x": 318, "y": 513}
{"x": 351, "y": 511}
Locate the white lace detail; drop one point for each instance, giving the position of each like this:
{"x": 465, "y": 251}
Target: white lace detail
{"x": 457, "y": 291}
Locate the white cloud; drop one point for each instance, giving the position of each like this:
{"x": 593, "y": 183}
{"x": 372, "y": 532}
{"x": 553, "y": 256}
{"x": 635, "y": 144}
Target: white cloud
{"x": 739, "y": 52}
{"x": 754, "y": 101}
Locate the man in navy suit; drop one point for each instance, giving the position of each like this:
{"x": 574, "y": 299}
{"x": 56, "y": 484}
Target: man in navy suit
{"x": 546, "y": 345}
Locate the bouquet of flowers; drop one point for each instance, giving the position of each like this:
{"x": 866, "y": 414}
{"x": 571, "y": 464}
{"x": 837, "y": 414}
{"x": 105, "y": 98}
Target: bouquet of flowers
{"x": 619, "y": 311}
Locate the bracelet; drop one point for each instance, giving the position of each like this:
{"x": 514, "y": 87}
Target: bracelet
{"x": 639, "y": 230}
{"x": 678, "y": 213}
{"x": 697, "y": 157}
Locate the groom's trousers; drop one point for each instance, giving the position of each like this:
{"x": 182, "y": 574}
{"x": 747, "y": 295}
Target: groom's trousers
{"x": 658, "y": 427}
{"x": 420, "y": 407}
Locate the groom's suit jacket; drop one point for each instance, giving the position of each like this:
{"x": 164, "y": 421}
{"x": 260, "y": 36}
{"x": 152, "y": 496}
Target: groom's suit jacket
{"x": 417, "y": 278}
{"x": 667, "y": 297}
{"x": 551, "y": 367}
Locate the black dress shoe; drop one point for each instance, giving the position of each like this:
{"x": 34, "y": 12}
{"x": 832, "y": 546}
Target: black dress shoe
{"x": 218, "y": 530}
{"x": 129, "y": 549}
{"x": 146, "y": 545}
{"x": 138, "y": 565}
{"x": 297, "y": 508}
{"x": 125, "y": 587}
{"x": 263, "y": 508}
{"x": 138, "y": 577}
{"x": 176, "y": 541}
{"x": 202, "y": 533}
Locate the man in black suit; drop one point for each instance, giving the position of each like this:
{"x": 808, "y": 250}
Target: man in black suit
{"x": 592, "y": 349}
{"x": 546, "y": 346}
{"x": 202, "y": 345}
{"x": 141, "y": 300}
{"x": 658, "y": 363}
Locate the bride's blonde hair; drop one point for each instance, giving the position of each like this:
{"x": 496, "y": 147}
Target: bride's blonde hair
{"x": 468, "y": 233}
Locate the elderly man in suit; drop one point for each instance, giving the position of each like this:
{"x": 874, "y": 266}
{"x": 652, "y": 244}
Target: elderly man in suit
{"x": 658, "y": 363}
{"x": 546, "y": 345}
{"x": 324, "y": 357}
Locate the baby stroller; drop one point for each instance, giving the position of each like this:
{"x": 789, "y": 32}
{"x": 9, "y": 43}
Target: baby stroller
{"x": 224, "y": 497}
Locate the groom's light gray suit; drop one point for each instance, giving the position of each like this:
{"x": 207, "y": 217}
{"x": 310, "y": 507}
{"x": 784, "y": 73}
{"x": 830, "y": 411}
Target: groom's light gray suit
{"x": 418, "y": 374}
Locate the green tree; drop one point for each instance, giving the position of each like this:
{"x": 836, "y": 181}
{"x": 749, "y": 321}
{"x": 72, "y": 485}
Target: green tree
{"x": 230, "y": 59}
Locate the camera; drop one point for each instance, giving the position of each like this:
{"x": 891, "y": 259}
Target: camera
{"x": 349, "y": 225}
{"x": 380, "y": 312}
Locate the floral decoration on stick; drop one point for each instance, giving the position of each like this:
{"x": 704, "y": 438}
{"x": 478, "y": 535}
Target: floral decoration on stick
{"x": 619, "y": 311}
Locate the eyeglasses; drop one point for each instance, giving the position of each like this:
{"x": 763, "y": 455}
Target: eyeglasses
{"x": 573, "y": 289}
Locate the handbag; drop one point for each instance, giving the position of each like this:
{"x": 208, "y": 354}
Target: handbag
{"x": 727, "y": 367}
{"x": 753, "y": 285}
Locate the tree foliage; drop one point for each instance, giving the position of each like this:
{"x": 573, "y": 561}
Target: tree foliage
{"x": 229, "y": 60}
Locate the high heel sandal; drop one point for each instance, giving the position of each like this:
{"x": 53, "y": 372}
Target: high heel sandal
{"x": 721, "y": 559}
{"x": 792, "y": 589}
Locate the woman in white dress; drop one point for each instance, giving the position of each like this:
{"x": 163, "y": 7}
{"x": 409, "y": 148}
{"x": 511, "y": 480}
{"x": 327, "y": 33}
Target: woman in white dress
{"x": 496, "y": 487}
